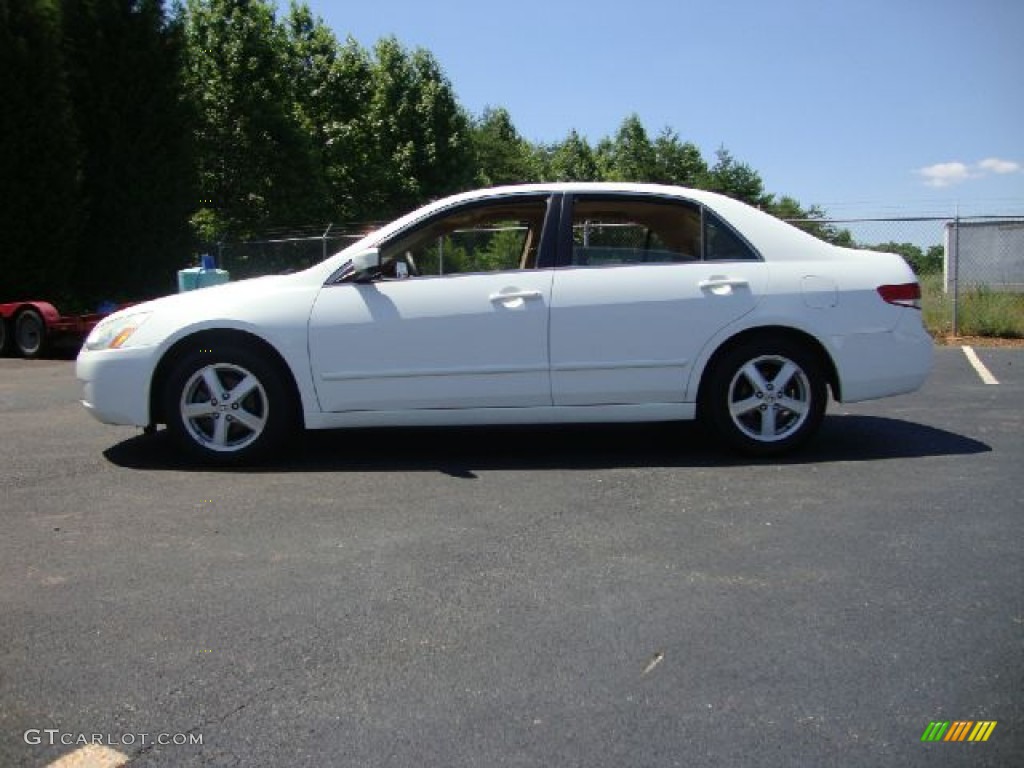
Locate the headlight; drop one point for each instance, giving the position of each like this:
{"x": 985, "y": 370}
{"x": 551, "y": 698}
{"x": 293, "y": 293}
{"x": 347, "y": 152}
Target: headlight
{"x": 114, "y": 333}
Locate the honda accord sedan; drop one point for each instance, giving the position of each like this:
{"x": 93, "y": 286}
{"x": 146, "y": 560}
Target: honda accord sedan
{"x": 536, "y": 304}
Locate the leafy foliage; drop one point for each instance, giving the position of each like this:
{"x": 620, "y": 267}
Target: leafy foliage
{"x": 571, "y": 160}
{"x": 735, "y": 179}
{"x": 677, "y": 162}
{"x": 39, "y": 159}
{"x": 420, "y": 145}
{"x": 332, "y": 88}
{"x": 502, "y": 155}
{"x": 123, "y": 69}
{"x": 255, "y": 161}
{"x": 630, "y": 155}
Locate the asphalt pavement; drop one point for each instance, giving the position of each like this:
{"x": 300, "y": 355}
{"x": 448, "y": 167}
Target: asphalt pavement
{"x": 585, "y": 596}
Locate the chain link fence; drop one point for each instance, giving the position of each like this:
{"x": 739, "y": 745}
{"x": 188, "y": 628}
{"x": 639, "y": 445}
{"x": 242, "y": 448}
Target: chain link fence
{"x": 282, "y": 252}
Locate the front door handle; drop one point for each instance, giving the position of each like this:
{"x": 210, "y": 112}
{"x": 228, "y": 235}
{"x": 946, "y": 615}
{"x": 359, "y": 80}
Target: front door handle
{"x": 513, "y": 295}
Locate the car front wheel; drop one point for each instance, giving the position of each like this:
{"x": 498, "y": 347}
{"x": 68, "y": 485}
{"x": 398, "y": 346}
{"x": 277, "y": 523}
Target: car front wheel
{"x": 765, "y": 397}
{"x": 228, "y": 406}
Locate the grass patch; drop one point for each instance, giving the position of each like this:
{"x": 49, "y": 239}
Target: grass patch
{"x": 982, "y": 312}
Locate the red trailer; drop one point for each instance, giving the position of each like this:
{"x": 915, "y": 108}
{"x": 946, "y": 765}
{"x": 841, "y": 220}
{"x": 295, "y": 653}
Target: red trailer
{"x": 27, "y": 327}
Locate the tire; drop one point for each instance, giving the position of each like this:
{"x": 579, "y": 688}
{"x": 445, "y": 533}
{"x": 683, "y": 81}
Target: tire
{"x": 765, "y": 397}
{"x": 29, "y": 333}
{"x": 5, "y": 336}
{"x": 255, "y": 418}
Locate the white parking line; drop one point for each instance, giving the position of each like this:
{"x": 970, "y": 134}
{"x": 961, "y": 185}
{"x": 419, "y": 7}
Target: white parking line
{"x": 91, "y": 756}
{"x": 983, "y": 372}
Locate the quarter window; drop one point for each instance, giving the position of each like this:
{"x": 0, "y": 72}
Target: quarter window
{"x": 721, "y": 243}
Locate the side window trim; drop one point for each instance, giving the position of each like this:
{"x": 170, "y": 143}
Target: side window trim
{"x": 563, "y": 250}
{"x": 547, "y": 256}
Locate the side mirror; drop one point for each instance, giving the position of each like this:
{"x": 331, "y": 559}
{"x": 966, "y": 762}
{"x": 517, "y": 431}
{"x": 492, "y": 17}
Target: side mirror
{"x": 363, "y": 267}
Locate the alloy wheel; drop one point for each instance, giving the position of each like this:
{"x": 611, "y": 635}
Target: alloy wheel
{"x": 224, "y": 407}
{"x": 769, "y": 398}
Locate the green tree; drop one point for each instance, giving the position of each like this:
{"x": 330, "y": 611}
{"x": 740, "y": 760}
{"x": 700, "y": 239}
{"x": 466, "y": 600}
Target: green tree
{"x": 787, "y": 208}
{"x": 571, "y": 160}
{"x": 676, "y": 162}
{"x": 256, "y": 163}
{"x": 444, "y": 151}
{"x": 933, "y": 262}
{"x": 630, "y": 156}
{"x": 422, "y": 144}
{"x": 333, "y": 93}
{"x": 39, "y": 156}
{"x": 735, "y": 179}
{"x": 502, "y": 155}
{"x": 124, "y": 72}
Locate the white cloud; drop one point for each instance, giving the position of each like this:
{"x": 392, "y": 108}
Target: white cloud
{"x": 995, "y": 165}
{"x": 948, "y": 174}
{"x": 945, "y": 174}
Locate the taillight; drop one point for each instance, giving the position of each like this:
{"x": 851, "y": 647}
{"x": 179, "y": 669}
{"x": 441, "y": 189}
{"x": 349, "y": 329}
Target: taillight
{"x": 902, "y": 295}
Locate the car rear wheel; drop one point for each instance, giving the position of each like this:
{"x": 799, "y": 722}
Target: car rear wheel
{"x": 29, "y": 333}
{"x": 228, "y": 405}
{"x": 765, "y": 397}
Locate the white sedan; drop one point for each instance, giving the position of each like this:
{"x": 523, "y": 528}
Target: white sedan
{"x": 531, "y": 304}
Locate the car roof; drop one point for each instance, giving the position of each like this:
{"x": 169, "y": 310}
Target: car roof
{"x": 566, "y": 187}
{"x": 761, "y": 228}
{"x": 588, "y": 187}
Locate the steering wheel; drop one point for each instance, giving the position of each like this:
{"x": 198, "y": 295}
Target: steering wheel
{"x": 410, "y": 262}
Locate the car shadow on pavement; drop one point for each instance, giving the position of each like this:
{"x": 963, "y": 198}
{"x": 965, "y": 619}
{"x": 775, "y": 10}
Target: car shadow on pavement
{"x": 461, "y": 451}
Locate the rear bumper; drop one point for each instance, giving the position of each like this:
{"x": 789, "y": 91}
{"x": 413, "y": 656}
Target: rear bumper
{"x": 881, "y": 364}
{"x": 115, "y": 384}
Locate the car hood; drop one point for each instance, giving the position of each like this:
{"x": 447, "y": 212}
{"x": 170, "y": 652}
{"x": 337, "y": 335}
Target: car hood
{"x": 271, "y": 303}
{"x": 214, "y": 295}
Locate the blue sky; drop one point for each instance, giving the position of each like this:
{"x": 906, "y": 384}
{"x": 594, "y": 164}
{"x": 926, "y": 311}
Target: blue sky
{"x": 865, "y": 107}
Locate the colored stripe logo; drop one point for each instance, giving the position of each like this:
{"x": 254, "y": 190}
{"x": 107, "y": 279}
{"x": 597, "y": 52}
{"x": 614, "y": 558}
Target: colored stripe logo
{"x": 958, "y": 730}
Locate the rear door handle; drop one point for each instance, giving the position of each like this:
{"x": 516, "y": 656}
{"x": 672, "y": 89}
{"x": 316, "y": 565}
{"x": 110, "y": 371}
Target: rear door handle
{"x": 723, "y": 282}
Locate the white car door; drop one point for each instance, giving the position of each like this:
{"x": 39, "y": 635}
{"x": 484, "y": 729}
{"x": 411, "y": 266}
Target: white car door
{"x": 468, "y": 327}
{"x": 639, "y": 302}
{"x": 459, "y": 341}
{"x": 629, "y": 334}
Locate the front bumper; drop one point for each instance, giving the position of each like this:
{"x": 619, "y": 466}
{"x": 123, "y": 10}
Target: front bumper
{"x": 116, "y": 384}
